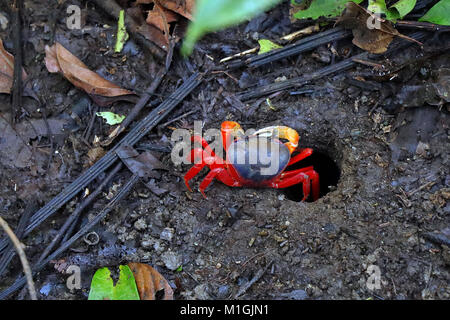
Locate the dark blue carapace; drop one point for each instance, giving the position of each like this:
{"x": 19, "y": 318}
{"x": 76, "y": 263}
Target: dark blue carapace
{"x": 258, "y": 159}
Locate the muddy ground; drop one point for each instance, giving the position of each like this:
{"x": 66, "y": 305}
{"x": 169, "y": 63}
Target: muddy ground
{"x": 391, "y": 164}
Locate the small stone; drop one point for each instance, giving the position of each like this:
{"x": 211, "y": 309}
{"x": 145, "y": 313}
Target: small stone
{"x": 199, "y": 261}
{"x": 296, "y": 295}
{"x": 201, "y": 292}
{"x": 167, "y": 234}
{"x": 422, "y": 149}
{"x": 140, "y": 224}
{"x": 171, "y": 260}
{"x": 278, "y": 238}
{"x": 264, "y": 233}
{"x": 371, "y": 258}
{"x": 427, "y": 206}
{"x": 280, "y": 79}
{"x": 223, "y": 292}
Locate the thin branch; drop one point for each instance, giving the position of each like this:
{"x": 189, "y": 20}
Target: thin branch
{"x": 23, "y": 258}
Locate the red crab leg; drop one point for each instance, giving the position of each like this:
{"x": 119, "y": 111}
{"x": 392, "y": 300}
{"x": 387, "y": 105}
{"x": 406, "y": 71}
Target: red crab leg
{"x": 306, "y": 176}
{"x": 304, "y": 153}
{"x": 197, "y": 167}
{"x": 221, "y": 174}
{"x": 204, "y": 144}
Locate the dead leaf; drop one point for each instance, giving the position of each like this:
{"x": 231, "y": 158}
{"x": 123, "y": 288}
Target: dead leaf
{"x": 155, "y": 188}
{"x": 143, "y": 164}
{"x": 94, "y": 154}
{"x": 149, "y": 32}
{"x": 156, "y": 28}
{"x": 15, "y": 142}
{"x": 374, "y": 40}
{"x": 7, "y": 70}
{"x": 59, "y": 59}
{"x": 149, "y": 282}
{"x": 155, "y": 18}
{"x": 184, "y": 8}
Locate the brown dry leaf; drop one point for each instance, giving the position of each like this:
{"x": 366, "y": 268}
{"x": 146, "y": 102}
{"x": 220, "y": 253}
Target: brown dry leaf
{"x": 184, "y": 8}
{"x": 150, "y": 32}
{"x": 7, "y": 70}
{"x": 144, "y": 165}
{"x": 375, "y": 40}
{"x": 94, "y": 154}
{"x": 149, "y": 282}
{"x": 59, "y": 59}
{"x": 156, "y": 28}
{"x": 154, "y": 17}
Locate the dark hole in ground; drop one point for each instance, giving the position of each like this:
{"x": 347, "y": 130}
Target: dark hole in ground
{"x": 327, "y": 169}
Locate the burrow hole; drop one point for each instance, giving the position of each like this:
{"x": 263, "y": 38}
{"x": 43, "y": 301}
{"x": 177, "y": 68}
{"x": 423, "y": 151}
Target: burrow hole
{"x": 325, "y": 166}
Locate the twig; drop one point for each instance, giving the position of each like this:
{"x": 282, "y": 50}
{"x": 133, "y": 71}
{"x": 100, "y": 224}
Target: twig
{"x": 137, "y": 108}
{"x": 18, "y": 58}
{"x": 145, "y": 97}
{"x": 438, "y": 238}
{"x": 422, "y": 26}
{"x": 76, "y": 213}
{"x": 135, "y": 134}
{"x": 289, "y": 37}
{"x": 10, "y": 252}
{"x": 326, "y": 71}
{"x": 305, "y": 44}
{"x": 113, "y": 10}
{"x": 177, "y": 118}
{"x": 426, "y": 185}
{"x": 86, "y": 228}
{"x": 23, "y": 258}
{"x": 257, "y": 276}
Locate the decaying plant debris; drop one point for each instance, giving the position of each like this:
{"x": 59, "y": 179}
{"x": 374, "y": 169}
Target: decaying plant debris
{"x": 381, "y": 119}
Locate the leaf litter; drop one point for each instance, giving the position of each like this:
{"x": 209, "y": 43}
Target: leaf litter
{"x": 60, "y": 60}
{"x": 370, "y": 32}
{"x": 150, "y": 282}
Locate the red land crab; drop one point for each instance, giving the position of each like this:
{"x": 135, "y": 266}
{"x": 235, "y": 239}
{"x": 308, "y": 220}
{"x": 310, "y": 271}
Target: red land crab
{"x": 238, "y": 146}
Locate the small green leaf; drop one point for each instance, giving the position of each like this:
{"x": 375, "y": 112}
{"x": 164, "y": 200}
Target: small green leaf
{"x": 397, "y": 11}
{"x": 179, "y": 269}
{"x": 111, "y": 118}
{"x": 323, "y": 8}
{"x": 267, "y": 45}
{"x": 404, "y": 7}
{"x": 102, "y": 287}
{"x": 213, "y": 15}
{"x": 439, "y": 13}
{"x": 122, "y": 34}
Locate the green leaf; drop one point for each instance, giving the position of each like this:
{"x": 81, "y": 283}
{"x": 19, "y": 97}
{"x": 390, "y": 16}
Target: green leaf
{"x": 122, "y": 34}
{"x": 213, "y": 15}
{"x": 404, "y": 7}
{"x": 323, "y": 8}
{"x": 102, "y": 287}
{"x": 439, "y": 13}
{"x": 397, "y": 11}
{"x": 111, "y": 118}
{"x": 267, "y": 45}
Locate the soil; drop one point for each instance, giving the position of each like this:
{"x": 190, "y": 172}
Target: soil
{"x": 387, "y": 172}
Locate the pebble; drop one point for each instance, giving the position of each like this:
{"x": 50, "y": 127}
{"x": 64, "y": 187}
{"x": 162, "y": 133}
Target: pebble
{"x": 140, "y": 224}
{"x": 167, "y": 234}
{"x": 223, "y": 292}
{"x": 201, "y": 292}
{"x": 171, "y": 260}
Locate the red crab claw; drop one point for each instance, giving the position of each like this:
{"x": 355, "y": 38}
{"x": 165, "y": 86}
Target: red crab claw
{"x": 281, "y": 132}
